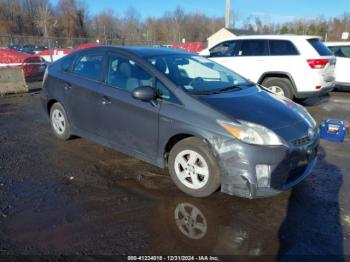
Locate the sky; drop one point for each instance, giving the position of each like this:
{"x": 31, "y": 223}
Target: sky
{"x": 271, "y": 10}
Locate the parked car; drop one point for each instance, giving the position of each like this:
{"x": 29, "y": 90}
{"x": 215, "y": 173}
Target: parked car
{"x": 209, "y": 126}
{"x": 289, "y": 65}
{"x": 39, "y": 48}
{"x": 33, "y": 66}
{"x": 15, "y": 47}
{"x": 342, "y": 51}
{"x": 29, "y": 49}
{"x": 32, "y": 49}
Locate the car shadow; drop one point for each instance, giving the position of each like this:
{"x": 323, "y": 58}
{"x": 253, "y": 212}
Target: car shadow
{"x": 315, "y": 101}
{"x": 312, "y": 225}
{"x": 324, "y": 99}
{"x": 342, "y": 89}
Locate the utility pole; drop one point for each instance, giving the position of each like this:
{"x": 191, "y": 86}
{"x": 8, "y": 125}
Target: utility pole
{"x": 46, "y": 35}
{"x": 228, "y": 11}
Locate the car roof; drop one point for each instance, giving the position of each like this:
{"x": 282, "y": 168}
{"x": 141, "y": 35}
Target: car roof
{"x": 337, "y": 43}
{"x": 282, "y": 37}
{"x": 144, "y": 51}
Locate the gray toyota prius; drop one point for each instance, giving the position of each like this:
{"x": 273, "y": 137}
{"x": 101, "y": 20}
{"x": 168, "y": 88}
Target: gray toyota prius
{"x": 209, "y": 126}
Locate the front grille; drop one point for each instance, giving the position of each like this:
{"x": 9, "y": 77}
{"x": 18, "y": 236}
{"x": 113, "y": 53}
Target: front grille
{"x": 302, "y": 141}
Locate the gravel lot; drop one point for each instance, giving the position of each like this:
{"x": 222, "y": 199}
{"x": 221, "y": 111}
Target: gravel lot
{"x": 79, "y": 198}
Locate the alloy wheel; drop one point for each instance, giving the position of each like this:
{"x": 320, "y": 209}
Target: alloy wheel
{"x": 58, "y": 121}
{"x": 277, "y": 90}
{"x": 191, "y": 169}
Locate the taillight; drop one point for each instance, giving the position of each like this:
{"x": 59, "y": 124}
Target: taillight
{"x": 317, "y": 63}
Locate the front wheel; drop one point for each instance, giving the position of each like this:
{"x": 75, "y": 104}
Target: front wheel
{"x": 193, "y": 168}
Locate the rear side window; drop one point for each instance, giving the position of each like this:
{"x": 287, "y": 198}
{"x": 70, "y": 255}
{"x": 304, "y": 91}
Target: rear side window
{"x": 253, "y": 48}
{"x": 225, "y": 49}
{"x": 341, "y": 51}
{"x": 67, "y": 62}
{"x": 89, "y": 66}
{"x": 321, "y": 49}
{"x": 282, "y": 47}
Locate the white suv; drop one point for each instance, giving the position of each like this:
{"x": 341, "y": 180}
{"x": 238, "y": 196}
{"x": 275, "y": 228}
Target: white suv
{"x": 293, "y": 66}
{"x": 342, "y": 51}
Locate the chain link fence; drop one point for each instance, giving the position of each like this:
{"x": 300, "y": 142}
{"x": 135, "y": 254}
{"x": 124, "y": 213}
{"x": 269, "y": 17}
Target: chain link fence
{"x": 70, "y": 42}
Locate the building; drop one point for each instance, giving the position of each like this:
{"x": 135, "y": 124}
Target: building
{"x": 226, "y": 34}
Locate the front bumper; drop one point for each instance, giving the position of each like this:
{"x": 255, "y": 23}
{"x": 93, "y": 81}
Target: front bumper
{"x": 289, "y": 166}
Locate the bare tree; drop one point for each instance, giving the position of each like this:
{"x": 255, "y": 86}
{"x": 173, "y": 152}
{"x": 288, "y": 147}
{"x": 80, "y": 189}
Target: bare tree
{"x": 70, "y": 19}
{"x": 44, "y": 20}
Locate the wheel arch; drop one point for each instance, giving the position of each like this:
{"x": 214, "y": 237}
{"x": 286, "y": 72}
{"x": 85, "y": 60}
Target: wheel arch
{"x": 49, "y": 104}
{"x": 176, "y": 138}
{"x": 278, "y": 74}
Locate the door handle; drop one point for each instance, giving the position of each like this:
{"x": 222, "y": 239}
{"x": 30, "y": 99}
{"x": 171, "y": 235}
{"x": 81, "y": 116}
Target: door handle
{"x": 105, "y": 101}
{"x": 67, "y": 87}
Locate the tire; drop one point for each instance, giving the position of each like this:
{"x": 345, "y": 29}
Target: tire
{"x": 197, "y": 184}
{"x": 62, "y": 129}
{"x": 282, "y": 83}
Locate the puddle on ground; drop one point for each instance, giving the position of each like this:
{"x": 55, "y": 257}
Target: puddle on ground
{"x": 45, "y": 218}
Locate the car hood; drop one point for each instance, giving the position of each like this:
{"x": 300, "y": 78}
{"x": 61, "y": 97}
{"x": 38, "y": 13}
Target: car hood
{"x": 257, "y": 106}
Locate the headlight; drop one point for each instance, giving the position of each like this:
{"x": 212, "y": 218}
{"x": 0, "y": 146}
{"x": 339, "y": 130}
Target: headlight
{"x": 251, "y": 133}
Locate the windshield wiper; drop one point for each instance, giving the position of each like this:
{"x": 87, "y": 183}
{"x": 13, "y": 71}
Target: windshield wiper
{"x": 204, "y": 92}
{"x": 229, "y": 88}
{"x": 236, "y": 86}
{"x": 221, "y": 90}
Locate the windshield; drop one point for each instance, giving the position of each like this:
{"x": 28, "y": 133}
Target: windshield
{"x": 198, "y": 75}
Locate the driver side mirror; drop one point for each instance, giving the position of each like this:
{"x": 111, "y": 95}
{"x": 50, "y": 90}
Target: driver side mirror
{"x": 205, "y": 53}
{"x": 144, "y": 93}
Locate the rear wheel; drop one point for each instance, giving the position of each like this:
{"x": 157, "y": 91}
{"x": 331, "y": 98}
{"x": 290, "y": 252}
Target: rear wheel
{"x": 280, "y": 86}
{"x": 59, "y": 122}
{"x": 193, "y": 168}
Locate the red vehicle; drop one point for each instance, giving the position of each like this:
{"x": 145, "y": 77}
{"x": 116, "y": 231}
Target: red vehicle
{"x": 33, "y": 66}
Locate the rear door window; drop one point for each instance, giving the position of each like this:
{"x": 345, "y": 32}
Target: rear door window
{"x": 67, "y": 63}
{"x": 341, "y": 51}
{"x": 225, "y": 49}
{"x": 320, "y": 47}
{"x": 253, "y": 48}
{"x": 89, "y": 66}
{"x": 282, "y": 47}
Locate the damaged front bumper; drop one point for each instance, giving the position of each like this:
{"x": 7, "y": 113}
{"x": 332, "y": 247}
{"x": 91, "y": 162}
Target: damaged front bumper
{"x": 252, "y": 171}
